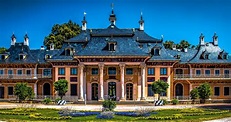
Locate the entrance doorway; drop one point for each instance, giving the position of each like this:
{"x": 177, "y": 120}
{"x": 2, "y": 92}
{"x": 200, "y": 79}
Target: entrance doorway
{"x": 129, "y": 91}
{"x": 179, "y": 90}
{"x": 94, "y": 91}
{"x": 112, "y": 90}
{"x": 46, "y": 89}
{"x": 1, "y": 92}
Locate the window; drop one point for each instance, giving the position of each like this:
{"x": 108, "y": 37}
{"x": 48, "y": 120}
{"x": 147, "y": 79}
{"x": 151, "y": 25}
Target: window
{"x": 73, "y": 71}
{"x": 1, "y": 71}
{"x": 206, "y": 56}
{"x": 2, "y": 57}
{"x": 164, "y": 79}
{"x": 198, "y": 72}
{"x": 129, "y": 71}
{"x": 111, "y": 46}
{"x": 73, "y": 79}
{"x": 94, "y": 71}
{"x": 151, "y": 71}
{"x": 112, "y": 71}
{"x": 163, "y": 71}
{"x": 73, "y": 89}
{"x": 226, "y": 73}
{"x": 10, "y": 90}
{"x": 21, "y": 57}
{"x": 150, "y": 92}
{"x": 151, "y": 79}
{"x": 28, "y": 72}
{"x": 216, "y": 91}
{"x": 226, "y": 91}
{"x": 46, "y": 72}
{"x": 10, "y": 72}
{"x": 225, "y": 56}
{"x": 157, "y": 52}
{"x": 19, "y": 72}
{"x": 59, "y": 78}
{"x": 61, "y": 71}
{"x": 207, "y": 72}
{"x": 217, "y": 72}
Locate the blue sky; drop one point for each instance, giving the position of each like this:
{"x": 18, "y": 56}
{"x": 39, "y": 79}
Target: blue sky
{"x": 175, "y": 19}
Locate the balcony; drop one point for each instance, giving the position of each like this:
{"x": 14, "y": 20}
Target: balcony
{"x": 201, "y": 76}
{"x": 23, "y": 76}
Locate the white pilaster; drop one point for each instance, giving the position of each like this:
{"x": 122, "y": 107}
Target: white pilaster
{"x": 35, "y": 90}
{"x": 143, "y": 67}
{"x": 169, "y": 86}
{"x": 101, "y": 66}
{"x": 122, "y": 80}
{"x": 81, "y": 66}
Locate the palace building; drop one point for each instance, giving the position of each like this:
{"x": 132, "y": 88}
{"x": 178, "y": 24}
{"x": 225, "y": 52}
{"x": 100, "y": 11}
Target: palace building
{"x": 117, "y": 63}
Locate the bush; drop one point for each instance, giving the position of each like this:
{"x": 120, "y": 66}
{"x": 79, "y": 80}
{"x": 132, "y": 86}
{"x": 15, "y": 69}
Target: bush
{"x": 165, "y": 102}
{"x": 109, "y": 105}
{"x": 204, "y": 91}
{"x": 175, "y": 101}
{"x": 57, "y": 100}
{"x": 194, "y": 94}
{"x": 46, "y": 100}
{"x": 105, "y": 115}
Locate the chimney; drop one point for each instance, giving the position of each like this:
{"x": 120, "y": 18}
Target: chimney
{"x": 13, "y": 39}
{"x": 141, "y": 22}
{"x": 84, "y": 22}
{"x": 52, "y": 46}
{"x": 186, "y": 50}
{"x": 202, "y": 41}
{"x": 215, "y": 39}
{"x": 26, "y": 40}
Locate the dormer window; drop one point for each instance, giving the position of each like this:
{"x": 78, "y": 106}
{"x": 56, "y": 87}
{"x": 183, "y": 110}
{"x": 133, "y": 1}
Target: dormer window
{"x": 225, "y": 56}
{"x": 111, "y": 46}
{"x": 206, "y": 56}
{"x": 47, "y": 56}
{"x": 22, "y": 56}
{"x": 155, "y": 51}
{"x": 69, "y": 51}
{"x": 177, "y": 56}
{"x": 4, "y": 56}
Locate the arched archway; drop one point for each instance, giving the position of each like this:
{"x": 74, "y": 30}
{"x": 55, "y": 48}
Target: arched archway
{"x": 129, "y": 91}
{"x": 94, "y": 91}
{"x": 179, "y": 89}
{"x": 46, "y": 89}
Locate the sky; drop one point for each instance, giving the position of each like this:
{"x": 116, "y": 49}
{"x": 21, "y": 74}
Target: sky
{"x": 176, "y": 20}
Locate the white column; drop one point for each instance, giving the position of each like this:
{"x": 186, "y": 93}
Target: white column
{"x": 169, "y": 85}
{"x": 143, "y": 67}
{"x": 81, "y": 66}
{"x": 35, "y": 90}
{"x": 101, "y": 66}
{"x": 122, "y": 80}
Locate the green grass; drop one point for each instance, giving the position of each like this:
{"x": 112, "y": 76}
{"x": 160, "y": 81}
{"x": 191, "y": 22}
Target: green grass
{"x": 169, "y": 112}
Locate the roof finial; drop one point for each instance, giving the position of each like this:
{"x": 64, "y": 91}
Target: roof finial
{"x": 112, "y": 7}
{"x": 84, "y": 15}
{"x": 141, "y": 15}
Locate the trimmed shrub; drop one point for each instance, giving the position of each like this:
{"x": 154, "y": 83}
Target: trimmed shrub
{"x": 165, "y": 102}
{"x": 172, "y": 117}
{"x": 108, "y": 105}
{"x": 175, "y": 101}
{"x": 105, "y": 115}
{"x": 46, "y": 100}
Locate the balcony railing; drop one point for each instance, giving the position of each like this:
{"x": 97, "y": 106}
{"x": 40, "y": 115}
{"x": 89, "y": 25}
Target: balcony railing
{"x": 23, "y": 76}
{"x": 202, "y": 76}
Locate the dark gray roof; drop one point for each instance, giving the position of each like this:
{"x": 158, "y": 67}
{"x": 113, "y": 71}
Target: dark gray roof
{"x": 184, "y": 56}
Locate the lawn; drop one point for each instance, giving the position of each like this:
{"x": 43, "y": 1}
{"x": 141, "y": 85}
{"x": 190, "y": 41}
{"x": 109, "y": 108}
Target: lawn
{"x": 194, "y": 114}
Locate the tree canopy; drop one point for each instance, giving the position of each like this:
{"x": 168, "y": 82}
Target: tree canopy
{"x": 62, "y": 32}
{"x": 183, "y": 44}
{"x": 159, "y": 87}
{"x": 204, "y": 91}
{"x": 22, "y": 91}
{"x": 61, "y": 86}
{"x": 2, "y": 49}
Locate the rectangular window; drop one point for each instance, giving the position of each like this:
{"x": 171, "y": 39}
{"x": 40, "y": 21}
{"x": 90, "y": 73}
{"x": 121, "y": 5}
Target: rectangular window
{"x": 151, "y": 79}
{"x": 198, "y": 72}
{"x": 73, "y": 89}
{"x": 112, "y": 71}
{"x": 217, "y": 72}
{"x": 10, "y": 72}
{"x": 10, "y": 90}
{"x": 19, "y": 72}
{"x": 94, "y": 71}
{"x": 61, "y": 71}
{"x": 216, "y": 91}
{"x": 129, "y": 71}
{"x": 226, "y": 91}
{"x": 28, "y": 72}
{"x": 59, "y": 78}
{"x": 1, "y": 72}
{"x": 73, "y": 71}
{"x": 163, "y": 71}
{"x": 164, "y": 79}
{"x": 73, "y": 79}
{"x": 150, "y": 92}
{"x": 151, "y": 71}
{"x": 207, "y": 72}
{"x": 46, "y": 72}
{"x": 226, "y": 73}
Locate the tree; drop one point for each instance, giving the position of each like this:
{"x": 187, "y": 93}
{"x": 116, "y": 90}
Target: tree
{"x": 159, "y": 87}
{"x": 61, "y": 86}
{"x": 22, "y": 91}
{"x": 204, "y": 91}
{"x": 2, "y": 49}
{"x": 168, "y": 44}
{"x": 184, "y": 44}
{"x": 62, "y": 32}
{"x": 194, "y": 94}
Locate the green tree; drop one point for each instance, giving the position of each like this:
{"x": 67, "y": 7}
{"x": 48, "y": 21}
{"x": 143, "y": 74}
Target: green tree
{"x": 2, "y": 49}
{"x": 159, "y": 87}
{"x": 184, "y": 44}
{"x": 168, "y": 44}
{"x": 204, "y": 91}
{"x": 194, "y": 94}
{"x": 60, "y": 33}
{"x": 22, "y": 91}
{"x": 61, "y": 86}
